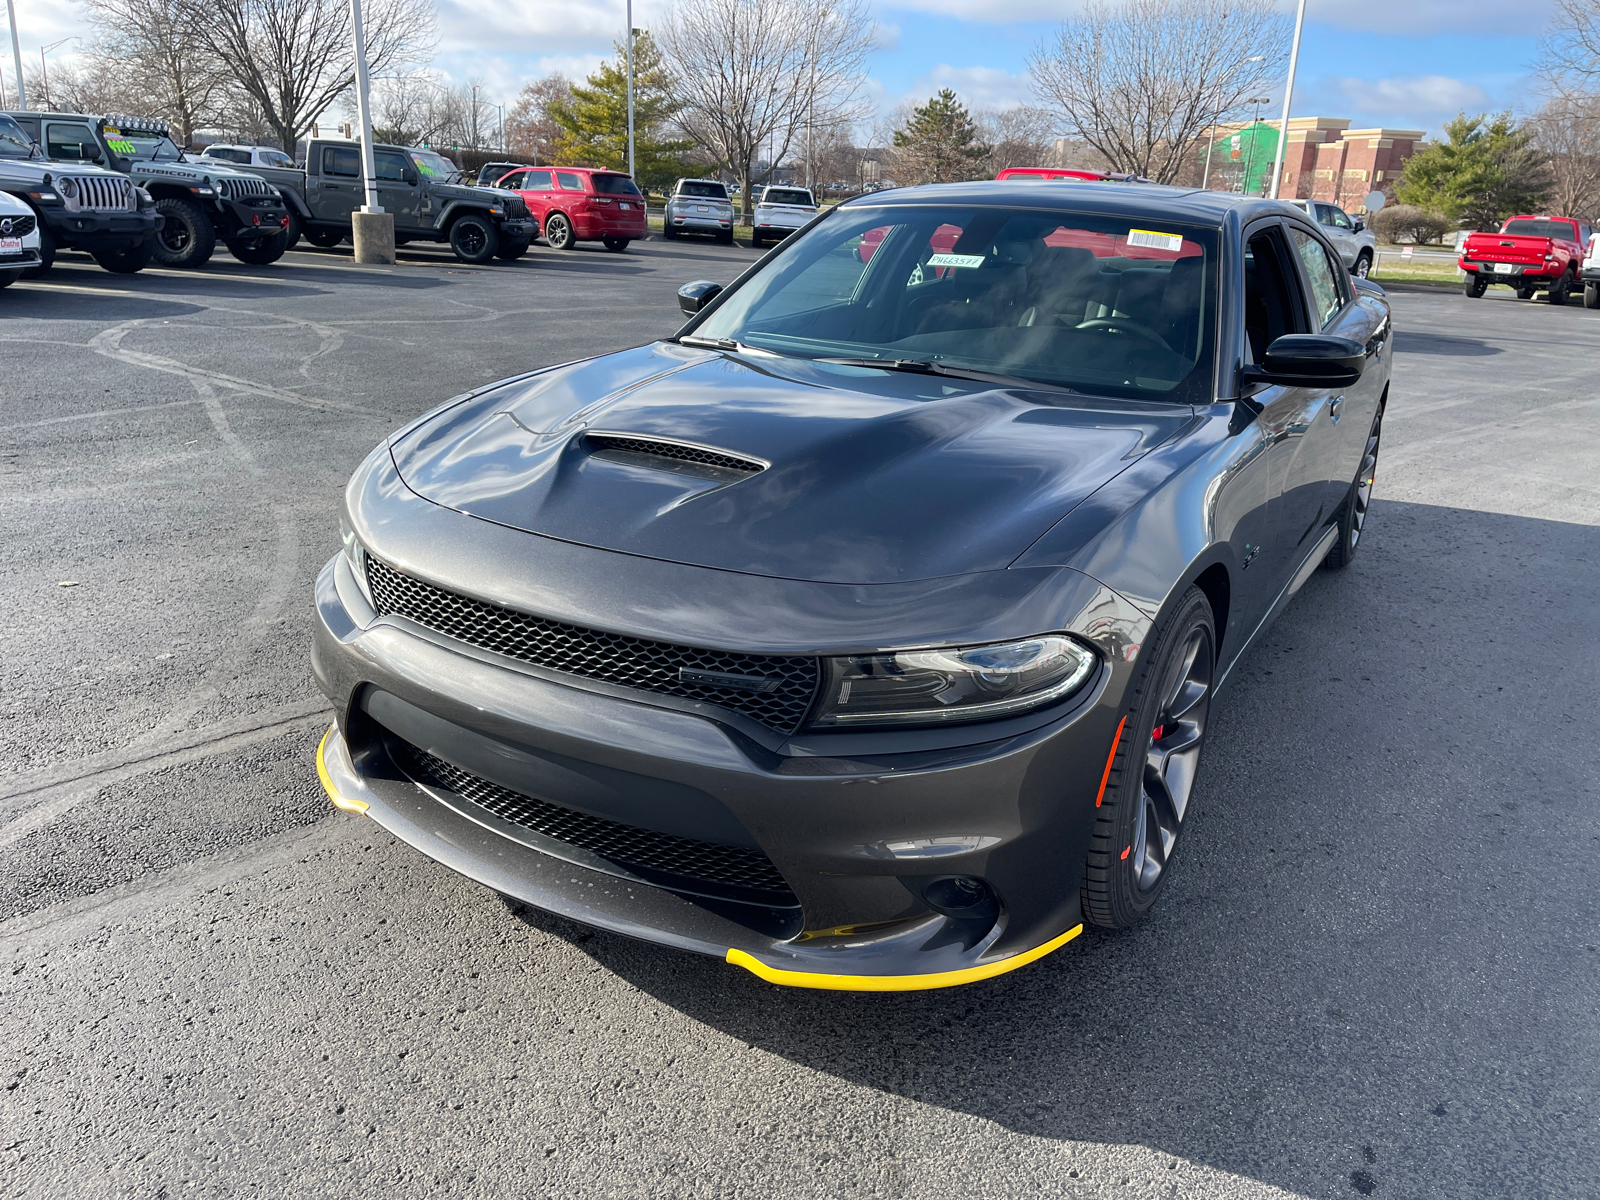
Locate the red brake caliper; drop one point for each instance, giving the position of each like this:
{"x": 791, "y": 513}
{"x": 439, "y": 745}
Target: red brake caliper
{"x": 1155, "y": 734}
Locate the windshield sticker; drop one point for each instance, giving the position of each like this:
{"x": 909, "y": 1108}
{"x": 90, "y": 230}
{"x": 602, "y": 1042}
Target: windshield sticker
{"x": 956, "y": 260}
{"x": 1151, "y": 240}
{"x": 424, "y": 167}
{"x": 121, "y": 145}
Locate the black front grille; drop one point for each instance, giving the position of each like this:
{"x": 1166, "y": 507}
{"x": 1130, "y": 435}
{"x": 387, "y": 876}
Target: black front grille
{"x": 677, "y": 451}
{"x": 645, "y": 851}
{"x": 772, "y": 689}
{"x": 18, "y": 226}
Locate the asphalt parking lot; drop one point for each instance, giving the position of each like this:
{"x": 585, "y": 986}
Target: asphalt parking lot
{"x": 1374, "y": 971}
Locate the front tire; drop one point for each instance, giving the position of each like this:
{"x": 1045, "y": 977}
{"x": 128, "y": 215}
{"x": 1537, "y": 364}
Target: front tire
{"x": 325, "y": 238}
{"x": 125, "y": 262}
{"x": 1591, "y": 295}
{"x": 616, "y": 244}
{"x": 558, "y": 233}
{"x": 1475, "y": 286}
{"x": 7, "y": 278}
{"x": 47, "y": 253}
{"x": 474, "y": 239}
{"x": 1363, "y": 267}
{"x": 258, "y": 252}
{"x": 510, "y": 251}
{"x": 1154, "y": 765}
{"x": 1353, "y": 515}
{"x": 187, "y": 238}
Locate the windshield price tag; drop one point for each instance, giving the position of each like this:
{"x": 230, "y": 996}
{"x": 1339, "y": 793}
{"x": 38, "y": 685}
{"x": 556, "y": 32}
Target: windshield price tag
{"x": 121, "y": 145}
{"x": 956, "y": 260}
{"x": 1150, "y": 240}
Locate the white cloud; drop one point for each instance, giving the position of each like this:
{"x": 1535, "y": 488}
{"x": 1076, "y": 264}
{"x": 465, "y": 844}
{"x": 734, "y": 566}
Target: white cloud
{"x": 1416, "y": 93}
{"x": 978, "y": 87}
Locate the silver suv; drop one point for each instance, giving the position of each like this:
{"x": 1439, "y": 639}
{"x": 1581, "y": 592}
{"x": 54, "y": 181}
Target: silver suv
{"x": 1350, "y": 236}
{"x": 699, "y": 206}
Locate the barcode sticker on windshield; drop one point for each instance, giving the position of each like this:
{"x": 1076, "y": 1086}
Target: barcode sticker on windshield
{"x": 1151, "y": 240}
{"x": 956, "y": 260}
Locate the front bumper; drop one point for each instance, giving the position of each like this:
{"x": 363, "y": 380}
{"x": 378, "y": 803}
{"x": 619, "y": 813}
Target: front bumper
{"x": 856, "y": 826}
{"x": 519, "y": 229}
{"x": 104, "y": 232}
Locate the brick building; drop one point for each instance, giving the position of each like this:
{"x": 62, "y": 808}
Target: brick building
{"x": 1327, "y": 160}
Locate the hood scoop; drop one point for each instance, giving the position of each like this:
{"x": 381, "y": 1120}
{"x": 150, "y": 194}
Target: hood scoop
{"x": 671, "y": 454}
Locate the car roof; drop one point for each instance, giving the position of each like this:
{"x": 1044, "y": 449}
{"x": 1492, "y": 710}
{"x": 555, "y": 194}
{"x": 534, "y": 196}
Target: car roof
{"x": 1144, "y": 201}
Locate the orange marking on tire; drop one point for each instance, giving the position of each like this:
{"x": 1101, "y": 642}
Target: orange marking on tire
{"x": 1126, "y": 852}
{"x": 1110, "y": 758}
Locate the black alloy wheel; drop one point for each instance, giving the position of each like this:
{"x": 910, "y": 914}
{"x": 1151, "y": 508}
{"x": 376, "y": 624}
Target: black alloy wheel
{"x": 1153, "y": 771}
{"x": 326, "y": 238}
{"x": 187, "y": 238}
{"x": 1591, "y": 295}
{"x": 258, "y": 252}
{"x": 616, "y": 244}
{"x": 1475, "y": 286}
{"x": 47, "y": 253}
{"x": 510, "y": 251}
{"x": 474, "y": 239}
{"x": 1353, "y": 513}
{"x": 1363, "y": 267}
{"x": 125, "y": 262}
{"x": 558, "y": 232}
{"x": 1559, "y": 293}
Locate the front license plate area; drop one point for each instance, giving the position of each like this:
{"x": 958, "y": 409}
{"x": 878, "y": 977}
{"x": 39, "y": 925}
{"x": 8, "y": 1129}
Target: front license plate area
{"x": 12, "y": 245}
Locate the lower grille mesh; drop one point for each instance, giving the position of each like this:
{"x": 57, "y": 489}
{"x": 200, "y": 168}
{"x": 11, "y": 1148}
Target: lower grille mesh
{"x": 772, "y": 689}
{"x": 692, "y": 861}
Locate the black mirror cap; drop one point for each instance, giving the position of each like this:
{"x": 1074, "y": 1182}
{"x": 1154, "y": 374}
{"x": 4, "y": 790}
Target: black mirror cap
{"x": 1360, "y": 224}
{"x": 692, "y": 297}
{"x": 1312, "y": 360}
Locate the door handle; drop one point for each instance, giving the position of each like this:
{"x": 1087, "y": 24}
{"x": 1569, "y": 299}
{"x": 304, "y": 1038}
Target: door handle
{"x": 1334, "y": 406}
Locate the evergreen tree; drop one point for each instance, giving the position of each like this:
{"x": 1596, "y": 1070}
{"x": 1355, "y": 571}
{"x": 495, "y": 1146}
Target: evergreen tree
{"x": 939, "y": 143}
{"x": 1480, "y": 174}
{"x": 594, "y": 119}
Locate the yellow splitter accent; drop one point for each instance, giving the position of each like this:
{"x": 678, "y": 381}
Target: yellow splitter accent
{"x": 339, "y": 801}
{"x": 898, "y": 983}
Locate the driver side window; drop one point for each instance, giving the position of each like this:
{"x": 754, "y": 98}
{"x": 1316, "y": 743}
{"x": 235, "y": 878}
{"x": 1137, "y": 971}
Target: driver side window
{"x": 73, "y": 142}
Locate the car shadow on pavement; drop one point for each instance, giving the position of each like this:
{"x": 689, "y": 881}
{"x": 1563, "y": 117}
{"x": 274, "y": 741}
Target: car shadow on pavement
{"x": 21, "y": 301}
{"x": 1407, "y": 342}
{"x": 1369, "y": 969}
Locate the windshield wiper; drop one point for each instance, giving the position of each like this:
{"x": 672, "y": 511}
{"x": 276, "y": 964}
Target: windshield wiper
{"x": 712, "y": 343}
{"x": 918, "y": 366}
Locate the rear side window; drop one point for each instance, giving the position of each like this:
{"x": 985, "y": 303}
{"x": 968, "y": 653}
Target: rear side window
{"x": 1327, "y": 297}
{"x": 274, "y": 158}
{"x": 614, "y": 185}
{"x": 570, "y": 182}
{"x": 73, "y": 141}
{"x": 785, "y": 196}
{"x": 1536, "y": 227}
{"x": 344, "y": 161}
{"x": 708, "y": 191}
{"x": 538, "y": 181}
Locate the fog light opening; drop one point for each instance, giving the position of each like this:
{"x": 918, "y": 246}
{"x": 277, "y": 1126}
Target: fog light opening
{"x": 962, "y": 897}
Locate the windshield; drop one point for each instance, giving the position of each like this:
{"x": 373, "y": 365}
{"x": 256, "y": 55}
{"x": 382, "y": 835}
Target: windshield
{"x": 1544, "y": 229}
{"x": 143, "y": 147}
{"x": 711, "y": 191}
{"x": 13, "y": 142}
{"x": 1089, "y": 302}
{"x": 614, "y": 185}
{"x": 436, "y": 167}
{"x": 785, "y": 196}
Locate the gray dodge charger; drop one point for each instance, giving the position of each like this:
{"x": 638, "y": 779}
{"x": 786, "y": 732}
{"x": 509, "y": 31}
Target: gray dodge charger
{"x": 864, "y": 634}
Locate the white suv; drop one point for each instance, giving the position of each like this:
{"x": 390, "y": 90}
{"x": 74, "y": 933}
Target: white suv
{"x": 249, "y": 156}
{"x": 782, "y": 210}
{"x": 699, "y": 206}
{"x": 19, "y": 239}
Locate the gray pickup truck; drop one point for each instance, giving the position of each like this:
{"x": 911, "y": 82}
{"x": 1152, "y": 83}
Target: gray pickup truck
{"x": 200, "y": 203}
{"x": 423, "y": 189}
{"x": 85, "y": 208}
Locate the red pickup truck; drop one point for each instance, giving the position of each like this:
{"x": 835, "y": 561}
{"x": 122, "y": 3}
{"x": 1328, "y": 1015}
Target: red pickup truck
{"x": 1530, "y": 254}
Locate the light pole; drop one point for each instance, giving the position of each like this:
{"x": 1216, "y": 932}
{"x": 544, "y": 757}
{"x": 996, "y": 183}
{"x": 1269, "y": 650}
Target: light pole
{"x": 1205, "y": 177}
{"x": 44, "y": 72}
{"x": 629, "y": 51}
{"x": 372, "y": 229}
{"x": 16, "y": 54}
{"x": 1288, "y": 95}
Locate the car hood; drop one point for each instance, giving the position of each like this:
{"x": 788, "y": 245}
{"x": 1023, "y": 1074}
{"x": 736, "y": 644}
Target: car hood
{"x": 872, "y": 478}
{"x": 34, "y": 170}
{"x": 190, "y": 169}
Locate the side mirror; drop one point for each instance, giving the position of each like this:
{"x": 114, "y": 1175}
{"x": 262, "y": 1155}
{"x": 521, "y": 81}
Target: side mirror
{"x": 1311, "y": 360}
{"x": 692, "y": 297}
{"x": 411, "y": 178}
{"x": 1360, "y": 224}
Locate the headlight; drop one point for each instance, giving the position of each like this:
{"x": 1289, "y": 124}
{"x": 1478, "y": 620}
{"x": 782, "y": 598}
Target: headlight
{"x": 355, "y": 554}
{"x": 929, "y": 687}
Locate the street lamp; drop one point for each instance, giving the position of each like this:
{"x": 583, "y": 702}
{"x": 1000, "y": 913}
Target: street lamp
{"x": 1288, "y": 95}
{"x": 1205, "y": 177}
{"x": 632, "y": 33}
{"x": 44, "y": 72}
{"x": 16, "y": 55}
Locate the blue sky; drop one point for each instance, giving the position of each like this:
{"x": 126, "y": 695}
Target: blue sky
{"x": 1415, "y": 70}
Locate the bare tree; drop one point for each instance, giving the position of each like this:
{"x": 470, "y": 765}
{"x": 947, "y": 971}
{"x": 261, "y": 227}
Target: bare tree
{"x": 1569, "y": 51}
{"x": 86, "y": 84}
{"x": 1141, "y": 82}
{"x": 530, "y": 129}
{"x": 1567, "y": 130}
{"x": 294, "y": 57}
{"x": 1023, "y": 136}
{"x": 751, "y": 74}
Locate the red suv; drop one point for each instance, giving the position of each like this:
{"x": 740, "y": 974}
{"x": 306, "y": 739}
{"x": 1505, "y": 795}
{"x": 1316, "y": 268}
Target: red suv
{"x": 580, "y": 204}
